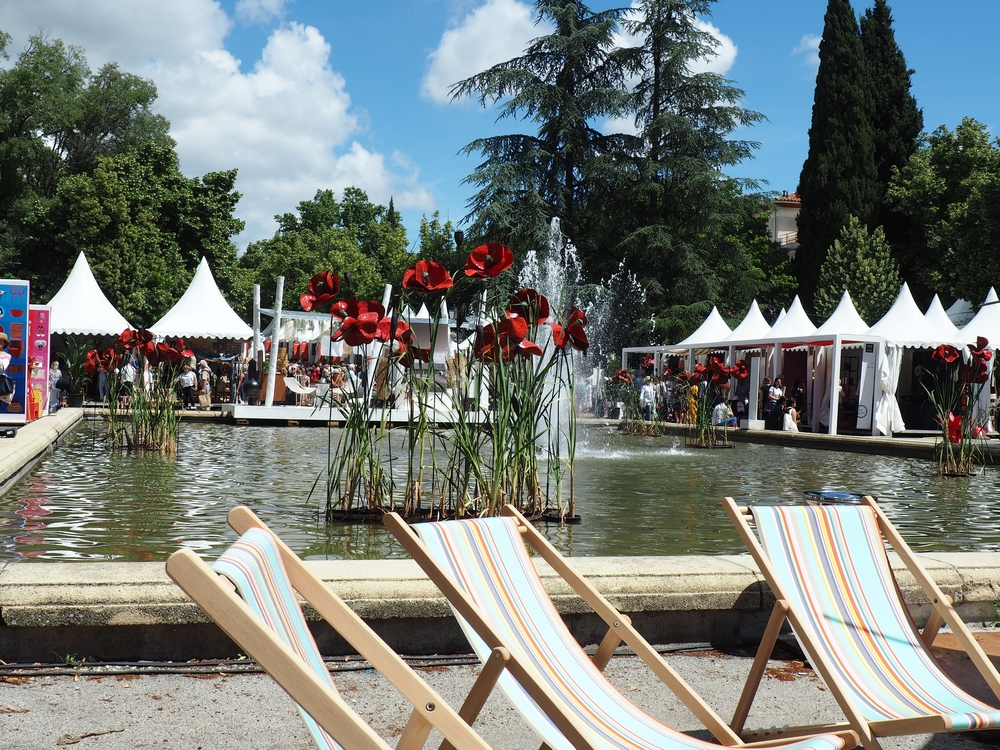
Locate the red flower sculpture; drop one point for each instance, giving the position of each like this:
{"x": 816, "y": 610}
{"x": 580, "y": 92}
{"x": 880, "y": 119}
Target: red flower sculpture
{"x": 489, "y": 260}
{"x": 427, "y": 276}
{"x": 505, "y": 341}
{"x": 622, "y": 376}
{"x": 981, "y": 349}
{"x": 93, "y": 362}
{"x": 530, "y": 305}
{"x": 954, "y": 428}
{"x": 946, "y": 353}
{"x": 741, "y": 370}
{"x": 323, "y": 287}
{"x": 175, "y": 355}
{"x": 573, "y": 333}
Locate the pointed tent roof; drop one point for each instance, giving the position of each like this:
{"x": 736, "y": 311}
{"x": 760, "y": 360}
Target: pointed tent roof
{"x": 712, "y": 330}
{"x": 202, "y": 312}
{"x": 940, "y": 325}
{"x": 80, "y": 307}
{"x": 793, "y": 324}
{"x": 753, "y": 327}
{"x": 987, "y": 320}
{"x": 905, "y": 325}
{"x": 844, "y": 319}
{"x": 961, "y": 312}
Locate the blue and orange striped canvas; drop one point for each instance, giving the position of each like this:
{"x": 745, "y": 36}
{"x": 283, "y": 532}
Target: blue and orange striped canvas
{"x": 254, "y": 566}
{"x": 832, "y": 565}
{"x": 488, "y": 560}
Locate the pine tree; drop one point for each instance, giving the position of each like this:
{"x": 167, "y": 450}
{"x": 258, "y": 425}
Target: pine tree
{"x": 839, "y": 177}
{"x": 860, "y": 262}
{"x": 896, "y": 120}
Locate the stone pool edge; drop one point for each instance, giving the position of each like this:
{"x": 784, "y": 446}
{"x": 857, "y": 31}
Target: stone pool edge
{"x": 19, "y": 454}
{"x": 133, "y": 611}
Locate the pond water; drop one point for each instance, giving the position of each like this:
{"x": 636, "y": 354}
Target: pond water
{"x": 637, "y": 496}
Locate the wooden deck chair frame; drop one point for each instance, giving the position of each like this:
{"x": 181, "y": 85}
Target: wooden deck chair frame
{"x": 217, "y": 596}
{"x": 620, "y": 630}
{"x": 943, "y": 613}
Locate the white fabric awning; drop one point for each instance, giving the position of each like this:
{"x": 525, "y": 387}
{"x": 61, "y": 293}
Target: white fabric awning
{"x": 794, "y": 324}
{"x": 202, "y": 312}
{"x": 80, "y": 307}
{"x": 712, "y": 330}
{"x": 987, "y": 321}
{"x": 843, "y": 320}
{"x": 904, "y": 325}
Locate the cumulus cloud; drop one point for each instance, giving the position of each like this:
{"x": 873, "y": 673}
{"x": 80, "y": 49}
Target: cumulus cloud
{"x": 808, "y": 50}
{"x": 286, "y": 123}
{"x": 260, "y": 11}
{"x": 492, "y": 33}
{"x": 725, "y": 51}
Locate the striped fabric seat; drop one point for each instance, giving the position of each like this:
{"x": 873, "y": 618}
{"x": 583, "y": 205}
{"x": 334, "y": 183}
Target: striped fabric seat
{"x": 832, "y": 566}
{"x": 488, "y": 560}
{"x": 255, "y": 568}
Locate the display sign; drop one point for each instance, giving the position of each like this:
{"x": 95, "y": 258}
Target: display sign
{"x": 39, "y": 356}
{"x": 15, "y": 326}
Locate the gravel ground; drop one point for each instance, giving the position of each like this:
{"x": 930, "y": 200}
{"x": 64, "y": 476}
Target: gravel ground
{"x": 249, "y": 711}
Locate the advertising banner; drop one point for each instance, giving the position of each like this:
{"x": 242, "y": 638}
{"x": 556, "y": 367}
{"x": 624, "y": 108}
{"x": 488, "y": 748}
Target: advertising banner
{"x": 39, "y": 356}
{"x": 14, "y": 351}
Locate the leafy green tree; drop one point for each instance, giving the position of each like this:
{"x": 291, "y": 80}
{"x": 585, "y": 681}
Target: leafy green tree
{"x": 839, "y": 178}
{"x": 351, "y": 235}
{"x": 143, "y": 226}
{"x": 947, "y": 193}
{"x": 57, "y": 118}
{"x": 860, "y": 263}
{"x": 896, "y": 120}
{"x": 565, "y": 83}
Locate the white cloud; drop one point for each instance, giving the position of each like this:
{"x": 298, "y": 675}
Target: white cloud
{"x": 496, "y": 31}
{"x": 260, "y": 11}
{"x": 725, "y": 52}
{"x": 808, "y": 50}
{"x": 287, "y": 124}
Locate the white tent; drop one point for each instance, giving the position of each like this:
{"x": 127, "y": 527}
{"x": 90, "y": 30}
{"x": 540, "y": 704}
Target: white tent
{"x": 202, "y": 312}
{"x": 713, "y": 330}
{"x": 80, "y": 307}
{"x": 752, "y": 328}
{"x": 844, "y": 320}
{"x": 905, "y": 326}
{"x": 961, "y": 312}
{"x": 793, "y": 324}
{"x": 987, "y": 321}
{"x": 940, "y": 327}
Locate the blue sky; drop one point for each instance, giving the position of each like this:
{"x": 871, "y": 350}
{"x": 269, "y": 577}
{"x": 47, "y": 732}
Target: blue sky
{"x": 307, "y": 94}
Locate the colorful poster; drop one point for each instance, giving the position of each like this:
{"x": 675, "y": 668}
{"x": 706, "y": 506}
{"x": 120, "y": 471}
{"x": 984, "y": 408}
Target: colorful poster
{"x": 39, "y": 356}
{"x": 14, "y": 349}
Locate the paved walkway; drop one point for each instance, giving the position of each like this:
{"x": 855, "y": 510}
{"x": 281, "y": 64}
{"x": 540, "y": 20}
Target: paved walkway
{"x": 249, "y": 711}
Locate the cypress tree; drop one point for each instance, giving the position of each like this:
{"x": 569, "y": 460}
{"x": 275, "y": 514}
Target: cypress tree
{"x": 838, "y": 178}
{"x": 896, "y": 120}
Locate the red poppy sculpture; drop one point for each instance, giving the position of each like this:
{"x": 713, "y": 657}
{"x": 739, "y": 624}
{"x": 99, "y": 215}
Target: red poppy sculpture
{"x": 323, "y": 288}
{"x": 427, "y": 276}
{"x": 489, "y": 260}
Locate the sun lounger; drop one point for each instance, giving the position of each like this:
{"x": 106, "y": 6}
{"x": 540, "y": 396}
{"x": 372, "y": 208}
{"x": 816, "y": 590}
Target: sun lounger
{"x": 483, "y": 569}
{"x": 828, "y": 569}
{"x": 248, "y": 592}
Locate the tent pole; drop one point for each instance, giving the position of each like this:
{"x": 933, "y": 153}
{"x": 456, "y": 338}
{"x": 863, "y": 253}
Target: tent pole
{"x": 256, "y": 345}
{"x": 272, "y": 364}
{"x": 835, "y": 387}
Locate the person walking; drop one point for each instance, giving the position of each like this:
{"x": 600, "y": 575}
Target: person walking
{"x": 187, "y": 381}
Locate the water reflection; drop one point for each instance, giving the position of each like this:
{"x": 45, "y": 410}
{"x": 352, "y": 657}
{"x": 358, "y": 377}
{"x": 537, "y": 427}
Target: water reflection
{"x": 636, "y": 495}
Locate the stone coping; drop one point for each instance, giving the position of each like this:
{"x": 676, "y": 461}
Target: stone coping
{"x": 46, "y": 595}
{"x": 33, "y": 440}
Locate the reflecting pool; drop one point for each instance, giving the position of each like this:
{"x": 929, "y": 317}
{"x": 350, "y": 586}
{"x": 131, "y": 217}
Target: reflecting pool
{"x": 637, "y": 496}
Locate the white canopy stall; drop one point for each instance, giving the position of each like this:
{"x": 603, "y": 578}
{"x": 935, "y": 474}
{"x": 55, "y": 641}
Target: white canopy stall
{"x": 905, "y": 329}
{"x": 81, "y": 308}
{"x": 202, "y": 313}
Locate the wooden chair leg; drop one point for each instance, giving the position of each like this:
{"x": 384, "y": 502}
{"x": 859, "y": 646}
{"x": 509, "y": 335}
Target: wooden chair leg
{"x": 934, "y": 623}
{"x": 415, "y": 732}
{"x": 482, "y": 688}
{"x": 608, "y": 646}
{"x": 771, "y": 633}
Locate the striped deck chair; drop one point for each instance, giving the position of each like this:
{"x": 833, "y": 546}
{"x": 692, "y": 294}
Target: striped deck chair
{"x": 248, "y": 592}
{"x": 483, "y": 569}
{"x": 828, "y": 569}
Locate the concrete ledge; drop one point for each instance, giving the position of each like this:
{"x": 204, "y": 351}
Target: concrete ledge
{"x": 131, "y": 611}
{"x": 19, "y": 454}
